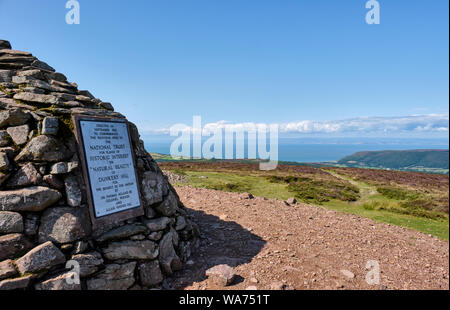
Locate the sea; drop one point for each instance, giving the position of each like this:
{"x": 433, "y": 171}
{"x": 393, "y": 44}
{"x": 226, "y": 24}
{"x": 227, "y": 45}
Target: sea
{"x": 311, "y": 150}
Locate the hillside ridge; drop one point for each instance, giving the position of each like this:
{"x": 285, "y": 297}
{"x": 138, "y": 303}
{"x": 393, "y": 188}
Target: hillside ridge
{"x": 394, "y": 159}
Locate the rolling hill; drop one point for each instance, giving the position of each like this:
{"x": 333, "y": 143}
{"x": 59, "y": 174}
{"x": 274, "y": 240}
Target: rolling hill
{"x": 411, "y": 159}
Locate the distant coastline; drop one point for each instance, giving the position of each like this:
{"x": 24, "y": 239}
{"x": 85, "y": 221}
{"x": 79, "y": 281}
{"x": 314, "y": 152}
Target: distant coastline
{"x": 427, "y": 161}
{"x": 330, "y": 152}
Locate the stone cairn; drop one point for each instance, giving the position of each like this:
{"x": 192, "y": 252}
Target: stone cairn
{"x": 44, "y": 217}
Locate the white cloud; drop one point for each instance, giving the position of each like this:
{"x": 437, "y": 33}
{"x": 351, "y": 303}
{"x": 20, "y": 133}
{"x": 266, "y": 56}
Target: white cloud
{"x": 363, "y": 125}
{"x": 418, "y": 123}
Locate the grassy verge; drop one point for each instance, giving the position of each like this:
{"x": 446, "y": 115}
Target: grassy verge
{"x": 436, "y": 227}
{"x": 256, "y": 185}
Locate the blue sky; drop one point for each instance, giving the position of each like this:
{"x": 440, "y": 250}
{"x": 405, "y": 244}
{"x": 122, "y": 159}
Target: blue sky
{"x": 262, "y": 61}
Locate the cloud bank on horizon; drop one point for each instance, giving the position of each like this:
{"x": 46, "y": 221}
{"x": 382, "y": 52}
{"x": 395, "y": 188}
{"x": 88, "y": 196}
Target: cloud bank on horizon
{"x": 432, "y": 124}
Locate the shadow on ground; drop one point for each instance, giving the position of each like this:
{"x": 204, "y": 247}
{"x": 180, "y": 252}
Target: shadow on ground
{"x": 221, "y": 242}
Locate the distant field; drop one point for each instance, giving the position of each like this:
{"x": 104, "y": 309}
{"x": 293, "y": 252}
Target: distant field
{"x": 415, "y": 200}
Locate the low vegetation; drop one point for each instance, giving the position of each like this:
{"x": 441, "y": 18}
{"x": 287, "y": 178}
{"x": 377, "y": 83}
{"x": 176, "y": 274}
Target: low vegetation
{"x": 238, "y": 183}
{"x": 415, "y": 200}
{"x": 418, "y": 208}
{"x": 318, "y": 191}
{"x": 397, "y": 193}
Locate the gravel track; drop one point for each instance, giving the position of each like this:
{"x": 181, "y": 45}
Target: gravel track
{"x": 273, "y": 245}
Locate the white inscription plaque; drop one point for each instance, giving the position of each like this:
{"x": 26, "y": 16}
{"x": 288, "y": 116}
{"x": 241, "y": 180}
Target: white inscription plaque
{"x": 110, "y": 166}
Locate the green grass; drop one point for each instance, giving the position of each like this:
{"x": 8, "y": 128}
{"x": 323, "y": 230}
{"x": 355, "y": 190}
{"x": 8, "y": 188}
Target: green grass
{"x": 318, "y": 191}
{"x": 370, "y": 202}
{"x": 256, "y": 185}
{"x": 397, "y": 193}
{"x": 436, "y": 227}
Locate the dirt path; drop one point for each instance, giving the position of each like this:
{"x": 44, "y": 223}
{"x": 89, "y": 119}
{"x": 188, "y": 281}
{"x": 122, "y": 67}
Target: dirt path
{"x": 304, "y": 247}
{"x": 365, "y": 190}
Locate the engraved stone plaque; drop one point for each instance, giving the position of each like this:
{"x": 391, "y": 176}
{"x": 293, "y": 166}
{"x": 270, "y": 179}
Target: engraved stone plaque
{"x": 109, "y": 167}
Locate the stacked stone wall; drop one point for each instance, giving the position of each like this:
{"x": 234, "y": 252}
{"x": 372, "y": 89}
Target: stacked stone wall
{"x": 44, "y": 217}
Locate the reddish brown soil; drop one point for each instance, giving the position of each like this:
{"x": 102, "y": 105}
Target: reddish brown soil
{"x": 304, "y": 247}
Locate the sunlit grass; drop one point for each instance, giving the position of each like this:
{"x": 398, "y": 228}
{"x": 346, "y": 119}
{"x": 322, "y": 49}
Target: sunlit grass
{"x": 436, "y": 227}
{"x": 256, "y": 185}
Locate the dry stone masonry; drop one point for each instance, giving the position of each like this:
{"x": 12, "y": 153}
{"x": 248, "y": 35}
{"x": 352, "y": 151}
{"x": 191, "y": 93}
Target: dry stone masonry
{"x": 44, "y": 216}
